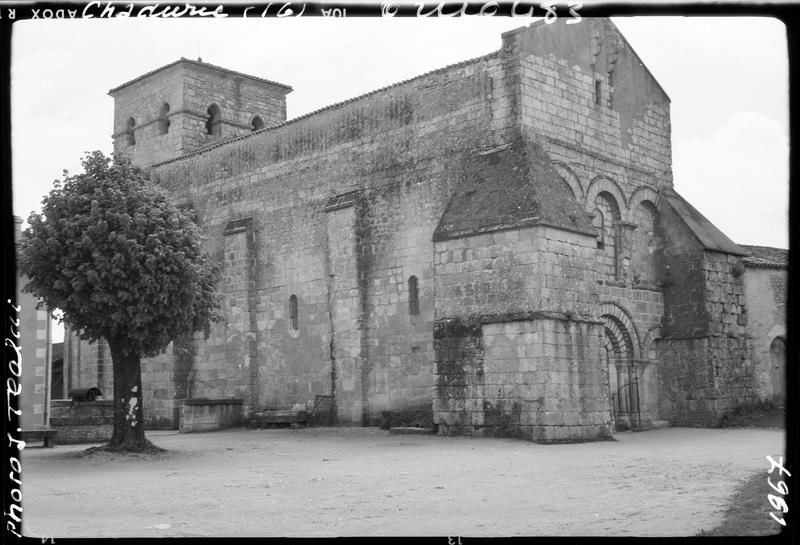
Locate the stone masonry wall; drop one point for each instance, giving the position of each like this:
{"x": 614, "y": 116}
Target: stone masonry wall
{"x": 577, "y": 90}
{"x": 536, "y": 268}
{"x": 605, "y": 121}
{"x": 400, "y": 148}
{"x": 537, "y": 379}
{"x": 189, "y": 89}
{"x": 142, "y": 101}
{"x": 239, "y": 99}
{"x": 622, "y": 134}
{"x": 729, "y": 355}
{"x": 345, "y": 312}
{"x": 705, "y": 352}
{"x": 682, "y": 278}
{"x": 765, "y": 300}
{"x": 515, "y": 353}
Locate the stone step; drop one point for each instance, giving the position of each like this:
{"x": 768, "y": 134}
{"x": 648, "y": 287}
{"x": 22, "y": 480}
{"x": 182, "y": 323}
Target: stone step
{"x": 411, "y": 431}
{"x": 653, "y": 425}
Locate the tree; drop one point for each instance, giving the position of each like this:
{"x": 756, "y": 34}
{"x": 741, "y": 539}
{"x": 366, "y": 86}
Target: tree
{"x": 124, "y": 264}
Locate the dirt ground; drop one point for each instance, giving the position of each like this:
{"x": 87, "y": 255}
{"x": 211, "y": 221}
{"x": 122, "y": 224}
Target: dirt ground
{"x": 366, "y": 482}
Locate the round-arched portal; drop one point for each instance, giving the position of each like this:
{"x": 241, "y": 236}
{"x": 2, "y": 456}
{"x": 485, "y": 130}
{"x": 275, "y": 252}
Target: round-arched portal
{"x": 623, "y": 382}
{"x": 777, "y": 372}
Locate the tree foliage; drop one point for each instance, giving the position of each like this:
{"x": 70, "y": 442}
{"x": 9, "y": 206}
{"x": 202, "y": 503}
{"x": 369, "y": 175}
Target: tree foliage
{"x": 121, "y": 261}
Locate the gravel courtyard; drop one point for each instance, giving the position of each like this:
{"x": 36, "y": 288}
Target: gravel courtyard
{"x": 364, "y": 481}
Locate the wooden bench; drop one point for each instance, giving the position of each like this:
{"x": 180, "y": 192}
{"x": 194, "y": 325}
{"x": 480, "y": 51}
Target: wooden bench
{"x": 48, "y": 437}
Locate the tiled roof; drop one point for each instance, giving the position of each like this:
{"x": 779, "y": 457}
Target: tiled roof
{"x": 766, "y": 256}
{"x": 205, "y": 65}
{"x": 705, "y": 231}
{"x": 327, "y": 108}
{"x": 509, "y": 188}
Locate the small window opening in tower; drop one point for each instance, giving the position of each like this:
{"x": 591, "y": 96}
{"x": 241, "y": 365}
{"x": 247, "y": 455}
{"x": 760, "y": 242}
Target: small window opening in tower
{"x": 293, "y": 317}
{"x": 131, "y": 125}
{"x": 257, "y": 123}
{"x": 163, "y": 119}
{"x": 213, "y": 122}
{"x": 611, "y": 86}
{"x": 413, "y": 296}
{"x": 598, "y": 91}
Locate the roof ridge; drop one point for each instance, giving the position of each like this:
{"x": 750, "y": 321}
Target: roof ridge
{"x": 198, "y": 63}
{"x": 327, "y": 108}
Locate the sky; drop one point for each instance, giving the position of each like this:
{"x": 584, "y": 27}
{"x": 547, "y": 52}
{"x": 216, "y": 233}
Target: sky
{"x": 727, "y": 79}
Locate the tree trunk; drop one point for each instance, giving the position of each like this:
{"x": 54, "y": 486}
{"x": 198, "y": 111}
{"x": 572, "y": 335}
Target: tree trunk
{"x": 128, "y": 432}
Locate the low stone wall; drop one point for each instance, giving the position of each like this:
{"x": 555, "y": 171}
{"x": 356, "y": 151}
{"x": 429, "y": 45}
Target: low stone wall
{"x": 82, "y": 429}
{"x": 210, "y": 414}
{"x": 90, "y": 422}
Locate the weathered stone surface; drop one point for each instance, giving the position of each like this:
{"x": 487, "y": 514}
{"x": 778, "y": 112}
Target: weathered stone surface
{"x": 494, "y": 247}
{"x": 90, "y": 433}
{"x": 210, "y": 414}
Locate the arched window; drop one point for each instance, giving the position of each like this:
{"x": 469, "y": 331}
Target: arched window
{"x": 645, "y": 242}
{"x": 599, "y": 222}
{"x": 610, "y": 256}
{"x": 293, "y": 317}
{"x": 413, "y": 295}
{"x": 257, "y": 123}
{"x": 163, "y": 119}
{"x": 131, "y": 125}
{"x": 213, "y": 122}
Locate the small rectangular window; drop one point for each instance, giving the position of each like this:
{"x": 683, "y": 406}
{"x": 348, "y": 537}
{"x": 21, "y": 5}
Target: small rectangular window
{"x": 598, "y": 92}
{"x": 413, "y": 296}
{"x": 293, "y": 317}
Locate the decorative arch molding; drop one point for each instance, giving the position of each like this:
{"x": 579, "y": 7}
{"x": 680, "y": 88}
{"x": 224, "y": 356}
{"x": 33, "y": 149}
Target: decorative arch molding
{"x": 617, "y": 339}
{"x": 642, "y": 194}
{"x": 776, "y": 331}
{"x": 603, "y": 183}
{"x": 569, "y": 176}
{"x": 652, "y": 335}
{"x": 608, "y": 308}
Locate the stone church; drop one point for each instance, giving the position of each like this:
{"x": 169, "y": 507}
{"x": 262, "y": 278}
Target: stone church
{"x": 494, "y": 247}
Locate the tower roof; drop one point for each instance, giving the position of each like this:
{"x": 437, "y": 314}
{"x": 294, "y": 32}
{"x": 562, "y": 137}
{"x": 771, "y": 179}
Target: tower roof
{"x": 200, "y": 63}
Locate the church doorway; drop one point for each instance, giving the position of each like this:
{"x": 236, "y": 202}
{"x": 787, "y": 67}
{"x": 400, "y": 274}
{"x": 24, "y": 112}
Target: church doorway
{"x": 777, "y": 374}
{"x": 623, "y": 380}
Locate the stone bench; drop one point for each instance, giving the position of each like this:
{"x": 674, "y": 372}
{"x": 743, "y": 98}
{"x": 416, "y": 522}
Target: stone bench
{"x": 203, "y": 414}
{"x": 47, "y": 436}
{"x": 278, "y": 417}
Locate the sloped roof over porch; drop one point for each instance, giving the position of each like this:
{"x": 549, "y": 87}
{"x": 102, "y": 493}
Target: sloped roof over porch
{"x": 511, "y": 187}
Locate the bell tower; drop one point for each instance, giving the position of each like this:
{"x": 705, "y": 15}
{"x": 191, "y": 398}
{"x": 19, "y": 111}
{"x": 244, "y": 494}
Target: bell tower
{"x": 188, "y": 105}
